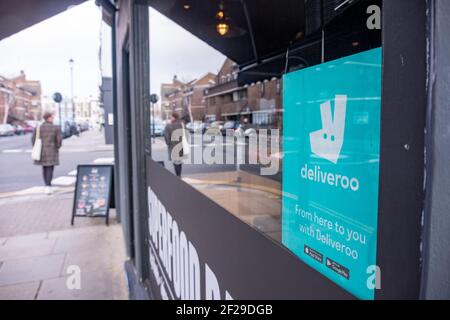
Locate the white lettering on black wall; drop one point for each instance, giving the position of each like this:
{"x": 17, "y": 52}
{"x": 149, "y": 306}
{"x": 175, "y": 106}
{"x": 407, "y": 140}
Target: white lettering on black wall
{"x": 174, "y": 260}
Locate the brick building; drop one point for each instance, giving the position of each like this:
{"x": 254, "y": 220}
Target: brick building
{"x": 265, "y": 103}
{"x": 168, "y": 96}
{"x": 259, "y": 103}
{"x": 188, "y": 99}
{"x": 226, "y": 100}
{"x": 20, "y": 99}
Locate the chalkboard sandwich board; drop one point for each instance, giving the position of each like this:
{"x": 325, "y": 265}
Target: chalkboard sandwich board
{"x": 93, "y": 192}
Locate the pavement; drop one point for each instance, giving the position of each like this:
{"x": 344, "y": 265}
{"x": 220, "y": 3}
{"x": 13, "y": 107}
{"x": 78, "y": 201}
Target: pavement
{"x": 39, "y": 266}
{"x": 42, "y": 257}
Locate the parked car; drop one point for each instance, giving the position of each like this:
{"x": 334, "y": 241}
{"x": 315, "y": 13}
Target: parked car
{"x": 251, "y": 132}
{"x": 83, "y": 126}
{"x": 32, "y": 123}
{"x": 74, "y": 129}
{"x": 19, "y": 130}
{"x": 196, "y": 127}
{"x": 28, "y": 128}
{"x": 229, "y": 126}
{"x": 190, "y": 126}
{"x": 66, "y": 131}
{"x": 157, "y": 129}
{"x": 6, "y": 130}
{"x": 214, "y": 128}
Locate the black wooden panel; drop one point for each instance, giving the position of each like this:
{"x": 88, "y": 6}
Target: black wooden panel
{"x": 402, "y": 148}
{"x": 246, "y": 263}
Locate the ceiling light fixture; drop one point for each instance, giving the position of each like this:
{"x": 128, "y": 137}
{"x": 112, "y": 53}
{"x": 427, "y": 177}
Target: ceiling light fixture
{"x": 222, "y": 27}
{"x": 220, "y": 15}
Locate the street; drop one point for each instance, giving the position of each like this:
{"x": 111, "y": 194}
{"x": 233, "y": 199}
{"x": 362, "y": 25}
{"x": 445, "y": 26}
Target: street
{"x": 160, "y": 154}
{"x": 18, "y": 172}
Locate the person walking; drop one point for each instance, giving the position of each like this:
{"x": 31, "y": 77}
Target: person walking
{"x": 175, "y": 124}
{"x": 50, "y": 136}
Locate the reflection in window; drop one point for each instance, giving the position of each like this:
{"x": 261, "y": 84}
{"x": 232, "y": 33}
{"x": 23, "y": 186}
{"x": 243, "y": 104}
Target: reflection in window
{"x": 201, "y": 86}
{"x": 233, "y": 118}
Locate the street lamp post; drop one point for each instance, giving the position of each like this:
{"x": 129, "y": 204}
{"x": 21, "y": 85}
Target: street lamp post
{"x": 72, "y": 62}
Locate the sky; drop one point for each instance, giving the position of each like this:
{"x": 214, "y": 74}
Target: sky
{"x": 43, "y": 51}
{"x": 175, "y": 51}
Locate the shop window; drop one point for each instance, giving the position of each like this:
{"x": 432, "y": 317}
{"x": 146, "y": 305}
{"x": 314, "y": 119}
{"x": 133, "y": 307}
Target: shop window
{"x": 244, "y": 121}
{"x": 229, "y": 114}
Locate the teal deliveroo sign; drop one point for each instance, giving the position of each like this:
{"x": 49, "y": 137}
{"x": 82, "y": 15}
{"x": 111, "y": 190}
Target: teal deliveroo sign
{"x": 331, "y": 142}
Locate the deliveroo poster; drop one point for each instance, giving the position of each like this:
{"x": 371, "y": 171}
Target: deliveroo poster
{"x": 331, "y": 141}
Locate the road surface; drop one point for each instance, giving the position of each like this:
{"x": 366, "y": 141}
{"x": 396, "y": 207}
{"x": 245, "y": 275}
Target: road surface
{"x": 17, "y": 171}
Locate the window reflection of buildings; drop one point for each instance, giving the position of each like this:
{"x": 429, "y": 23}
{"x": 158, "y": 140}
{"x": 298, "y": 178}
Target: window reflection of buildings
{"x": 258, "y": 104}
{"x": 220, "y": 98}
{"x": 186, "y": 98}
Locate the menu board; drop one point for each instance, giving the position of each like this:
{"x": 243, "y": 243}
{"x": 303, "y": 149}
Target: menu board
{"x": 93, "y": 191}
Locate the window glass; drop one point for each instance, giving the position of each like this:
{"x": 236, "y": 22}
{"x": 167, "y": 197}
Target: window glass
{"x": 227, "y": 124}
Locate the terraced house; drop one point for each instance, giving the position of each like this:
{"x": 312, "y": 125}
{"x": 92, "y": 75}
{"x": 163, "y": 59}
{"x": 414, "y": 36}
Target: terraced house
{"x": 20, "y": 99}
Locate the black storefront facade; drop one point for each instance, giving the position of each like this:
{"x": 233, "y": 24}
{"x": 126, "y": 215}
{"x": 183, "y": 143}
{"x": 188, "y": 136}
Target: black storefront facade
{"x": 217, "y": 256}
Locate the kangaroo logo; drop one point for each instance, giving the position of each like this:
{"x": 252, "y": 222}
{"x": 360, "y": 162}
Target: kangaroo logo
{"x": 327, "y": 143}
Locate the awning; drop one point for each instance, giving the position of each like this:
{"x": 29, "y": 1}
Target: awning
{"x": 274, "y": 24}
{"x": 16, "y": 15}
{"x": 258, "y": 29}
{"x": 344, "y": 35}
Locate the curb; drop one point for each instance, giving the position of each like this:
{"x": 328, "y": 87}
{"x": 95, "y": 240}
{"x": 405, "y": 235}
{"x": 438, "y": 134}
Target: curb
{"x": 34, "y": 191}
